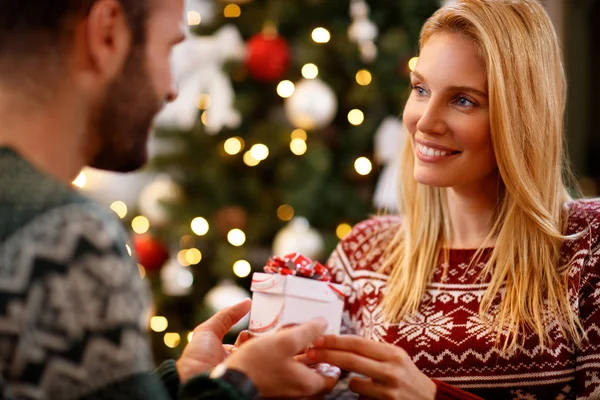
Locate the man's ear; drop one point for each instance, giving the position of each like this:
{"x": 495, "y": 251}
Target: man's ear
{"x": 109, "y": 38}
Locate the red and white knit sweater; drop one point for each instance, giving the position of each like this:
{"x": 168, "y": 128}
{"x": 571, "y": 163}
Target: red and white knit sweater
{"x": 446, "y": 338}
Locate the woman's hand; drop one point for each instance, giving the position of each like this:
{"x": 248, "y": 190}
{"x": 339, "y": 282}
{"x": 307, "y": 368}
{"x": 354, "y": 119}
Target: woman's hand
{"x": 242, "y": 338}
{"x": 389, "y": 371}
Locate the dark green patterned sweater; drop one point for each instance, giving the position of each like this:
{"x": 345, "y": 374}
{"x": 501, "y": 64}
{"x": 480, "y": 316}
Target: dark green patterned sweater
{"x": 72, "y": 303}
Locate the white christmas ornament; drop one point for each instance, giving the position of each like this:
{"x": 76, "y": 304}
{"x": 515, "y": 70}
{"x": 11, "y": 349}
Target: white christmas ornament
{"x": 224, "y": 295}
{"x": 389, "y": 142}
{"x": 161, "y": 190}
{"x": 312, "y": 106}
{"x": 298, "y": 237}
{"x": 176, "y": 280}
{"x": 197, "y": 67}
{"x": 363, "y": 31}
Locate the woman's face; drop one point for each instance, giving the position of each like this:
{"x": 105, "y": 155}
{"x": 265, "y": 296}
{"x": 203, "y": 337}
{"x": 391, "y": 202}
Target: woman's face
{"x": 447, "y": 115}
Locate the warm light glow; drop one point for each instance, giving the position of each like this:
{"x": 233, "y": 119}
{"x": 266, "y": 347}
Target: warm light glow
{"x": 363, "y": 77}
{"x": 356, "y": 117}
{"x": 204, "y": 101}
{"x": 343, "y": 230}
{"x": 285, "y": 212}
{"x": 190, "y": 336}
{"x": 310, "y": 71}
{"x": 193, "y": 256}
{"x": 412, "y": 63}
{"x": 299, "y": 134}
{"x": 236, "y": 237}
{"x": 242, "y": 268}
{"x": 119, "y": 208}
{"x": 204, "y": 117}
{"x": 172, "y": 339}
{"x": 249, "y": 160}
{"x": 140, "y": 224}
{"x": 298, "y": 147}
{"x": 182, "y": 259}
{"x": 285, "y": 89}
{"x": 233, "y": 145}
{"x": 232, "y": 11}
{"x": 128, "y": 249}
{"x": 259, "y": 151}
{"x": 199, "y": 226}
{"x": 363, "y": 166}
{"x": 142, "y": 271}
{"x": 194, "y": 18}
{"x": 158, "y": 324}
{"x": 321, "y": 35}
{"x": 80, "y": 180}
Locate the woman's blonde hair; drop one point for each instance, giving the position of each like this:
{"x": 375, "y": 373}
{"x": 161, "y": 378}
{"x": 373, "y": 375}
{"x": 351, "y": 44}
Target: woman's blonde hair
{"x": 527, "y": 94}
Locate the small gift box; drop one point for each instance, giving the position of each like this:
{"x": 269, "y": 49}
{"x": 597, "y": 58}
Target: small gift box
{"x": 294, "y": 289}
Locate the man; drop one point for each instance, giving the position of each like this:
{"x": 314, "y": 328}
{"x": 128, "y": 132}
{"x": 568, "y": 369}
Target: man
{"x": 80, "y": 83}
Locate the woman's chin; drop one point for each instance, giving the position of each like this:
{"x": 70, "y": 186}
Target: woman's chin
{"x": 434, "y": 181}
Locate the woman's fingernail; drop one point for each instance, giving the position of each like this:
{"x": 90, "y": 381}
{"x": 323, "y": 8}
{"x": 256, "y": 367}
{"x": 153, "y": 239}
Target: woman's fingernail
{"x": 311, "y": 353}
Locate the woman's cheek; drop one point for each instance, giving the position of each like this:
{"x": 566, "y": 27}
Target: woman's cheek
{"x": 410, "y": 117}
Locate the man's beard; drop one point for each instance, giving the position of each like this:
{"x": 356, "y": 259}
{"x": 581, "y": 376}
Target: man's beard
{"x": 124, "y": 119}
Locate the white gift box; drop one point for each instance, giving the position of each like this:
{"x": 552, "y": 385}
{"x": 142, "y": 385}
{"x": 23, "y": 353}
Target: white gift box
{"x": 283, "y": 300}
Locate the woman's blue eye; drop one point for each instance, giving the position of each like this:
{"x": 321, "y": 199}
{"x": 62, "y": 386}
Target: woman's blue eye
{"x": 420, "y": 90}
{"x": 464, "y": 102}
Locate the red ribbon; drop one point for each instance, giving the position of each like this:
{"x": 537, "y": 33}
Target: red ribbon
{"x": 298, "y": 265}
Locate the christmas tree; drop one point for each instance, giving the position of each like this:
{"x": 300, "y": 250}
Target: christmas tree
{"x": 271, "y": 140}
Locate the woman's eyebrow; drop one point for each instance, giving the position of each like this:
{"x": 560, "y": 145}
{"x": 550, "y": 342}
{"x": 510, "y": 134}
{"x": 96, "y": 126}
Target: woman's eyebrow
{"x": 458, "y": 88}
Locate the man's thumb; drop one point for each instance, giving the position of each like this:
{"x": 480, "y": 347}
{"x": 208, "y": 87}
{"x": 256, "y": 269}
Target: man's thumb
{"x": 223, "y": 321}
{"x": 299, "y": 337}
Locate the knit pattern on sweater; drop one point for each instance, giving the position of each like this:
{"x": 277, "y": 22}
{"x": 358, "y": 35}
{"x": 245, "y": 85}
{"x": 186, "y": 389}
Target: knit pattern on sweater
{"x": 447, "y": 339}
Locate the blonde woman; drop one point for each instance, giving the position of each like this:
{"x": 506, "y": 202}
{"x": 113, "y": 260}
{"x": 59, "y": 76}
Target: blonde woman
{"x": 488, "y": 284}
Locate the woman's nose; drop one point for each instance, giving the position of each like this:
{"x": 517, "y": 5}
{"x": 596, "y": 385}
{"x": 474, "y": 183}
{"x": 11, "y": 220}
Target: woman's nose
{"x": 432, "y": 121}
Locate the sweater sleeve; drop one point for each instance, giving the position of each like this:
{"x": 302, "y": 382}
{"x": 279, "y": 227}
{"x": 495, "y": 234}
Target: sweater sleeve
{"x": 200, "y": 387}
{"x": 167, "y": 372}
{"x": 449, "y": 392}
{"x": 587, "y": 368}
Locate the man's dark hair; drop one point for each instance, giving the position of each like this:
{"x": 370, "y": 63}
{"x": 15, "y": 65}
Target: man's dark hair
{"x": 35, "y": 29}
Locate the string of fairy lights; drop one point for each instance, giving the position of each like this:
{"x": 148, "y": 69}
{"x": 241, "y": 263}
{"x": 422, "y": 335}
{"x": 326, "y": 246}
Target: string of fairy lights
{"x": 257, "y": 153}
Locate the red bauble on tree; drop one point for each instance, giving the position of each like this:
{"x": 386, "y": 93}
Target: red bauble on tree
{"x": 268, "y": 57}
{"x": 151, "y": 252}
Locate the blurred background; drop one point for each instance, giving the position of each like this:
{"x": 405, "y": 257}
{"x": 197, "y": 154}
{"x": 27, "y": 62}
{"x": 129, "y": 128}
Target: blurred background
{"x": 285, "y": 134}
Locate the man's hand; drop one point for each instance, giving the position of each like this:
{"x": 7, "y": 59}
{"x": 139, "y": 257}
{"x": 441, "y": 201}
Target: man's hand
{"x": 269, "y": 361}
{"x": 205, "y": 350}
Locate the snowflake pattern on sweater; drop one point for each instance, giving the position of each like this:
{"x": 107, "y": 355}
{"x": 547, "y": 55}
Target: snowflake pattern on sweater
{"x": 447, "y": 339}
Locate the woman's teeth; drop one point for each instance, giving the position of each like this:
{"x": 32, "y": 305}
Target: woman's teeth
{"x": 428, "y": 151}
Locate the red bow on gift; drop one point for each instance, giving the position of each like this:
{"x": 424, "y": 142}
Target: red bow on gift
{"x": 298, "y": 265}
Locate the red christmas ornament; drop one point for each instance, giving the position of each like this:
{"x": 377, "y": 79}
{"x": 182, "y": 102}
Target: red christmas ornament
{"x": 151, "y": 253}
{"x": 268, "y": 57}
